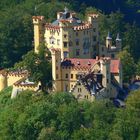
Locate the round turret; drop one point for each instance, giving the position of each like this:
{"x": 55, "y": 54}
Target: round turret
{"x": 118, "y": 41}
{"x": 108, "y": 40}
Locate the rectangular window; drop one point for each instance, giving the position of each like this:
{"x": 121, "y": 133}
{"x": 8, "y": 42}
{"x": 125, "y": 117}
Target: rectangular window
{"x": 71, "y": 76}
{"x": 94, "y": 38}
{"x": 65, "y": 36}
{"x": 77, "y": 42}
{"x": 66, "y": 87}
{"x": 94, "y": 29}
{"x": 77, "y": 52}
{"x": 107, "y": 80}
{"x": 56, "y": 76}
{"x": 79, "y": 90}
{"x": 70, "y": 43}
{"x": 112, "y": 56}
{"x": 66, "y": 76}
{"x": 85, "y": 50}
{"x": 65, "y": 54}
{"x": 102, "y": 49}
{"x": 65, "y": 44}
{"x": 77, "y": 76}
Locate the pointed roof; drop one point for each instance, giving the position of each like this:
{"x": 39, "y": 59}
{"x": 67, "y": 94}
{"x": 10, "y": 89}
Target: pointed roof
{"x": 109, "y": 36}
{"x": 118, "y": 37}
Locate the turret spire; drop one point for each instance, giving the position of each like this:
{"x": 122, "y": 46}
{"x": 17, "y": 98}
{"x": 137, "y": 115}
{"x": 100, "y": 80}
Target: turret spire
{"x": 66, "y": 9}
{"x": 118, "y": 37}
{"x": 109, "y": 36}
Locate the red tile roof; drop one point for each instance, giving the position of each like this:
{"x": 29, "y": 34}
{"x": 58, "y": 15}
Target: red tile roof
{"x": 88, "y": 63}
{"x": 115, "y": 66}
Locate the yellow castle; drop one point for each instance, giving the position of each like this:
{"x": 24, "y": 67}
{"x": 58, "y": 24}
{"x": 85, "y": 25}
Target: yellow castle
{"x": 81, "y": 65}
{"x": 86, "y": 78}
{"x": 75, "y": 47}
{"x": 74, "y": 37}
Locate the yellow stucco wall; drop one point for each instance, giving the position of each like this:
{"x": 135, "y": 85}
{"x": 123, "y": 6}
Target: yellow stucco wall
{"x": 11, "y": 79}
{"x": 3, "y": 81}
{"x": 81, "y": 93}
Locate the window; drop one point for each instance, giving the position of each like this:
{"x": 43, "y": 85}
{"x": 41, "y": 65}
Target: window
{"x": 86, "y": 96}
{"x": 102, "y": 49}
{"x": 65, "y": 36}
{"x": 56, "y": 67}
{"x": 52, "y": 40}
{"x": 56, "y": 76}
{"x": 107, "y": 72}
{"x": 94, "y": 29}
{"x": 71, "y": 76}
{"x": 65, "y": 54}
{"x": 112, "y": 55}
{"x": 79, "y": 90}
{"x": 58, "y": 41}
{"x": 65, "y": 44}
{"x": 76, "y": 33}
{"x": 77, "y": 76}
{"x": 107, "y": 80}
{"x": 94, "y": 38}
{"x": 84, "y": 32}
{"x": 66, "y": 76}
{"x": 77, "y": 52}
{"x": 70, "y": 43}
{"x": 77, "y": 42}
{"x": 66, "y": 87}
{"x": 85, "y": 50}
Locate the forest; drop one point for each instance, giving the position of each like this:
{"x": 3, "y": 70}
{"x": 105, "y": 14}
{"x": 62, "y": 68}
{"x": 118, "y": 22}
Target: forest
{"x": 59, "y": 116}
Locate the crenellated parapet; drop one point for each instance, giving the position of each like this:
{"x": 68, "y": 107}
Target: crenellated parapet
{"x": 82, "y": 27}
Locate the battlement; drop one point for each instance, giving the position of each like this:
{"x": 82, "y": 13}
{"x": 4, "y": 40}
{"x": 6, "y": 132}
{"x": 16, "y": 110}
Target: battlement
{"x": 37, "y": 19}
{"x": 18, "y": 73}
{"x": 83, "y": 27}
{"x": 93, "y": 15}
{"x": 23, "y": 83}
{"x": 3, "y": 72}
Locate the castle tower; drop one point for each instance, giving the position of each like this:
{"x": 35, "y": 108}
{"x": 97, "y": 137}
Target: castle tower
{"x": 93, "y": 20}
{"x": 105, "y": 70}
{"x": 38, "y": 22}
{"x": 56, "y": 69}
{"x": 108, "y": 40}
{"x": 118, "y": 42}
{"x": 3, "y": 80}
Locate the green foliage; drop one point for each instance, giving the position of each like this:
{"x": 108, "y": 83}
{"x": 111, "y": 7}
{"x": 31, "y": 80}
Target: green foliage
{"x": 38, "y": 67}
{"x": 59, "y": 116}
{"x": 128, "y": 65}
{"x": 138, "y": 68}
{"x": 127, "y": 123}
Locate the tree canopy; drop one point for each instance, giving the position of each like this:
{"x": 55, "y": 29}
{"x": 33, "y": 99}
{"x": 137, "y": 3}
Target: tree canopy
{"x": 38, "y": 66}
{"x": 59, "y": 116}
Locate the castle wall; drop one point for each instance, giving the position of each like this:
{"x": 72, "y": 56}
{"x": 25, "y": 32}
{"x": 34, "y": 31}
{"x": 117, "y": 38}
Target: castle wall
{"x": 81, "y": 93}
{"x": 12, "y": 78}
{"x": 3, "y": 82}
{"x": 69, "y": 78}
